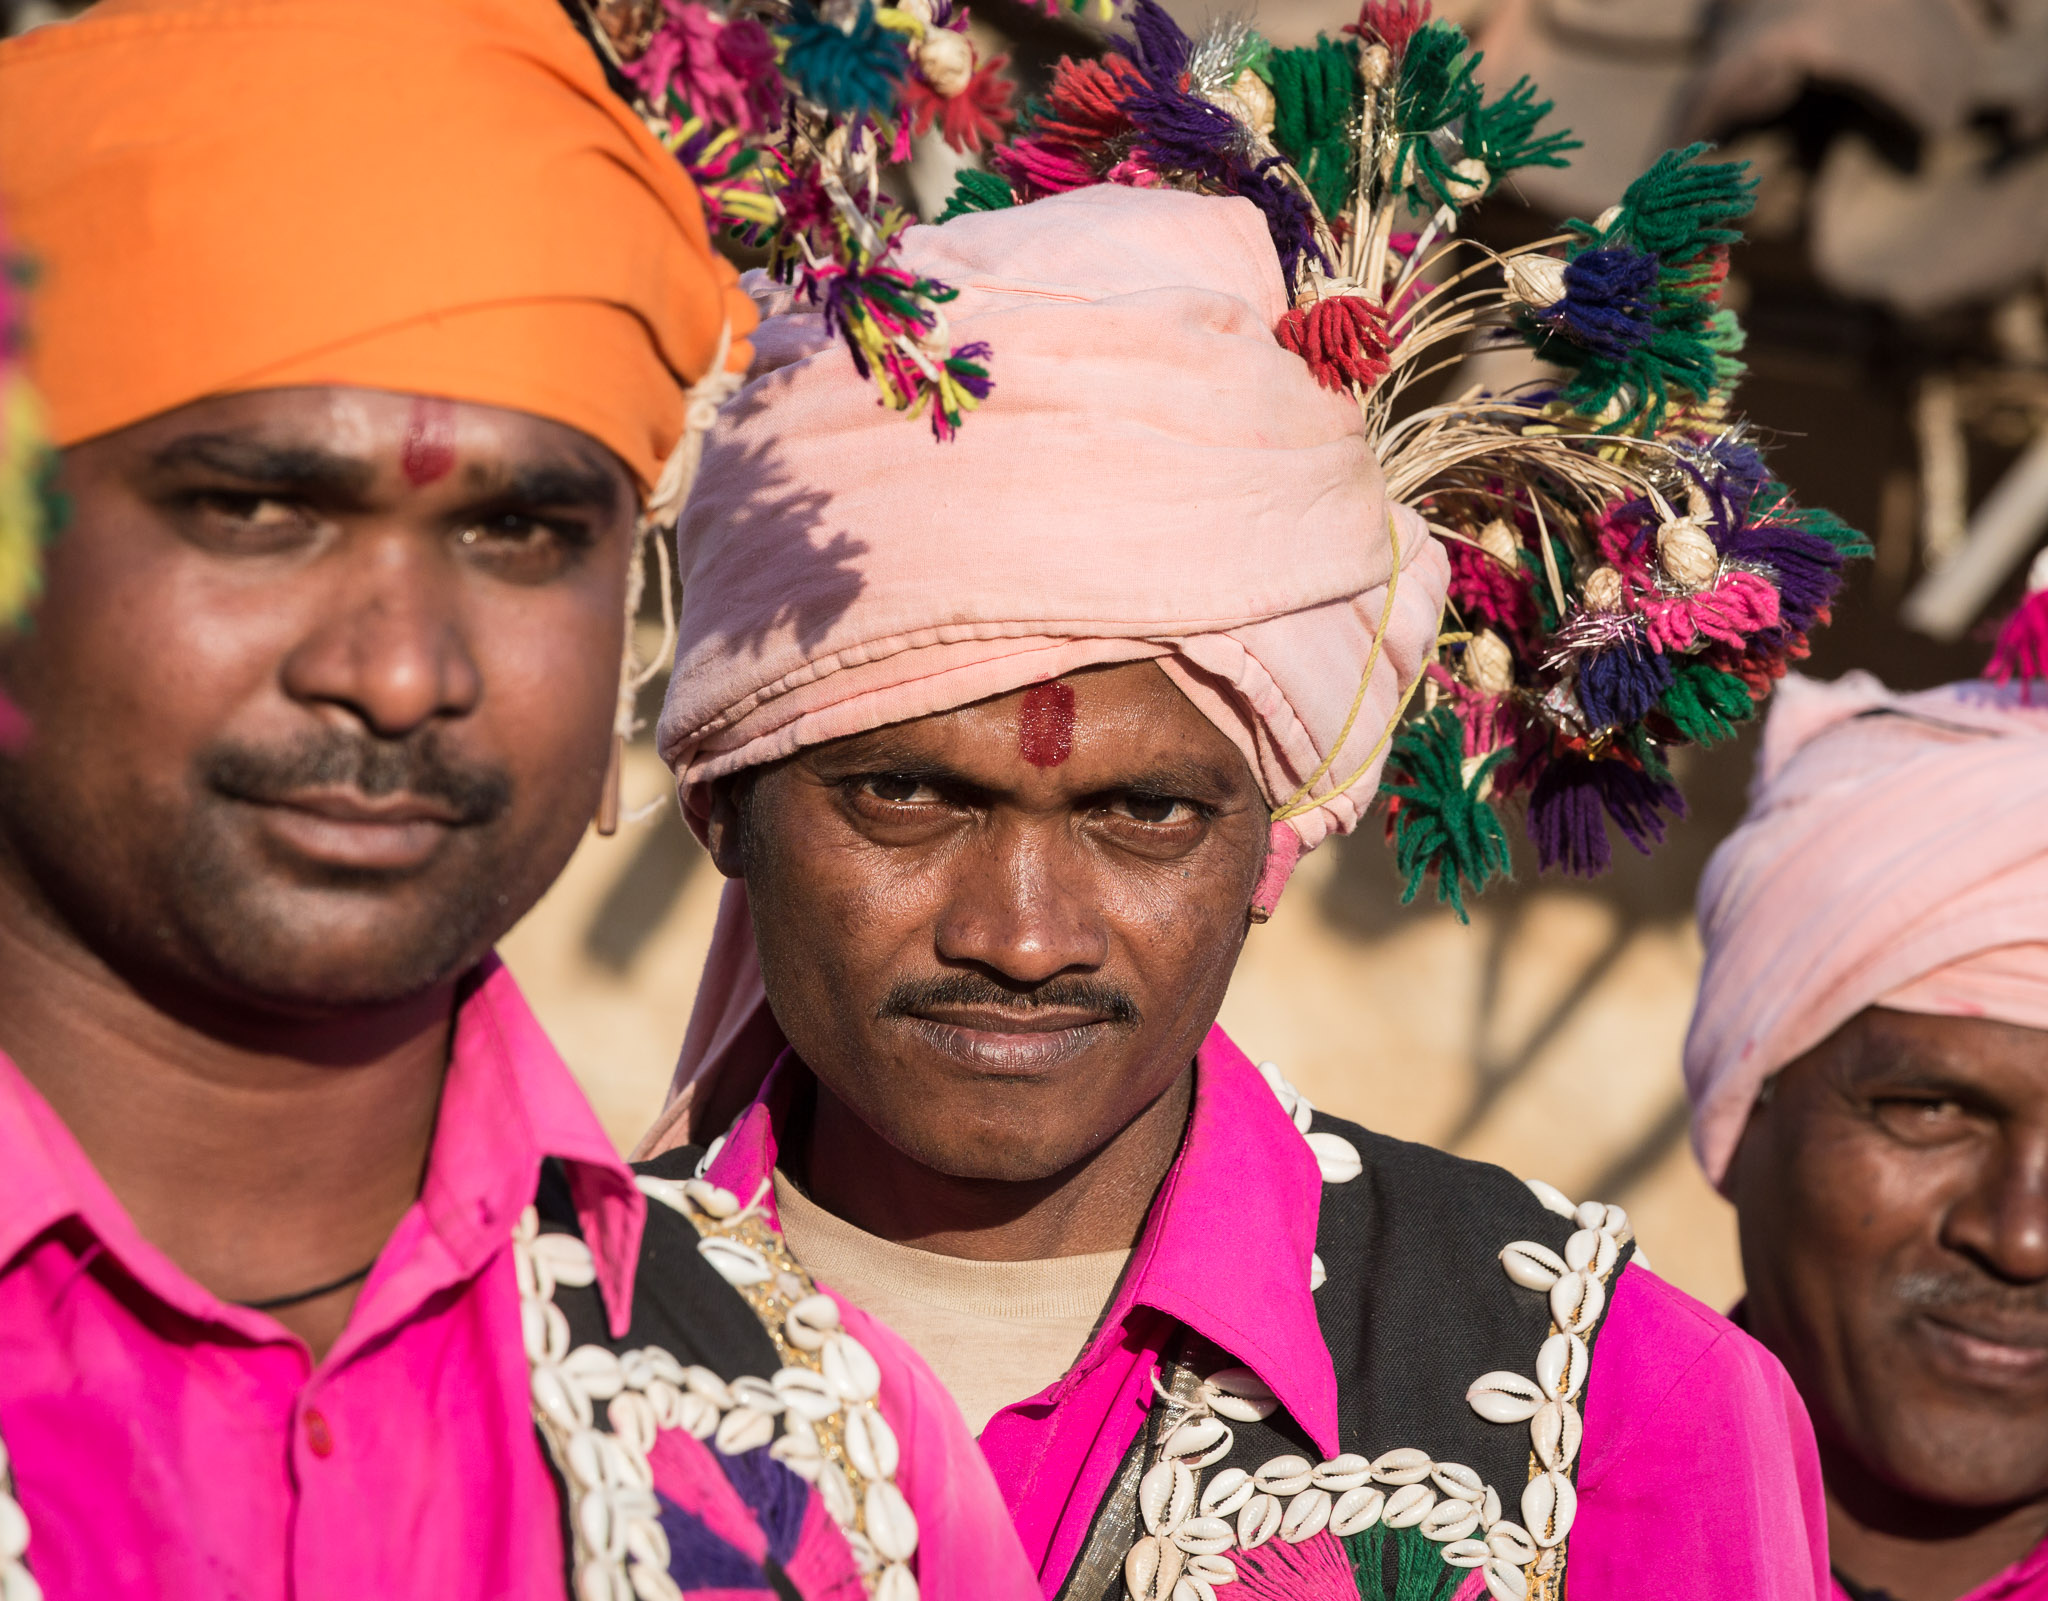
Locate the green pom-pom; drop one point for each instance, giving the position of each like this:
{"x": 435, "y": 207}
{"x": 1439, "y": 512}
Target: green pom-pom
{"x": 1672, "y": 358}
{"x": 1680, "y": 207}
{"x": 1777, "y": 500}
{"x": 1444, "y": 826}
{"x": 976, "y": 190}
{"x": 1436, "y": 88}
{"x": 1705, "y": 703}
{"x": 1315, "y": 98}
{"x": 1436, "y": 79}
{"x": 1504, "y": 135}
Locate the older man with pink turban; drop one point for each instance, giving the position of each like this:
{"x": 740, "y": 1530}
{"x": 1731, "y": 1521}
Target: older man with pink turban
{"x": 1868, "y": 1065}
{"x": 1004, "y": 749}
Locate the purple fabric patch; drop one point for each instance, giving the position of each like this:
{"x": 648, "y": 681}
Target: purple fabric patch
{"x": 699, "y": 1559}
{"x": 775, "y": 1495}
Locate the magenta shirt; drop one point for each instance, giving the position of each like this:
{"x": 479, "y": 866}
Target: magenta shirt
{"x": 1698, "y": 1478}
{"x": 168, "y": 1445}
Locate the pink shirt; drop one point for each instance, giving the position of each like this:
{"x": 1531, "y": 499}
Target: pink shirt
{"x": 168, "y": 1445}
{"x": 1698, "y": 1478}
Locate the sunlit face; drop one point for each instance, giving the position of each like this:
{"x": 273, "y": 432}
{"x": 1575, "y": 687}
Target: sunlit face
{"x": 321, "y": 687}
{"x": 1000, "y": 933}
{"x": 1894, "y": 1202}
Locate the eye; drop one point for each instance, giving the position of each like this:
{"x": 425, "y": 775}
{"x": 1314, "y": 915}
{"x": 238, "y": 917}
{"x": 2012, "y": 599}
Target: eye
{"x": 514, "y": 528}
{"x": 1921, "y": 1119}
{"x": 1156, "y": 810}
{"x": 522, "y": 548}
{"x": 254, "y": 510}
{"x": 895, "y": 789}
{"x": 245, "y": 522}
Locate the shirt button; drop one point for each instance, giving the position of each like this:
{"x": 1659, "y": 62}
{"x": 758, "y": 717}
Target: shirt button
{"x": 319, "y": 1438}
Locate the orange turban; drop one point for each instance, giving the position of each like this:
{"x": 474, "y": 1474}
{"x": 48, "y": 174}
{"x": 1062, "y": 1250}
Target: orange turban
{"x": 436, "y": 197}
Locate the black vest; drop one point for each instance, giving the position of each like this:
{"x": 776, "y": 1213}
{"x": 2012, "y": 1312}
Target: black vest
{"x": 1414, "y": 1306}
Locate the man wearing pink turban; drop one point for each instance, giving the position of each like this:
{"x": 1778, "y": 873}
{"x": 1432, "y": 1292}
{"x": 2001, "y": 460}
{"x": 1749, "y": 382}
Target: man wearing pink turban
{"x": 1868, "y": 1065}
{"x": 1004, "y": 748}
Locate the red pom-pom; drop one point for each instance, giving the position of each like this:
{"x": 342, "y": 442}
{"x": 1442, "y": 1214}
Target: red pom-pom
{"x": 1390, "y": 22}
{"x": 1343, "y": 340}
{"x": 975, "y": 116}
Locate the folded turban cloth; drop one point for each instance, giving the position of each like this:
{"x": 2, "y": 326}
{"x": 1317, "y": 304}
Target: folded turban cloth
{"x": 435, "y": 197}
{"x": 1895, "y": 854}
{"x": 1154, "y": 478}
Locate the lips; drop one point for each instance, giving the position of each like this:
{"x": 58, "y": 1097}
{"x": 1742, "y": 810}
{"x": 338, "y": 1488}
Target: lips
{"x": 346, "y": 828}
{"x": 1009, "y": 1042}
{"x": 1990, "y": 1351}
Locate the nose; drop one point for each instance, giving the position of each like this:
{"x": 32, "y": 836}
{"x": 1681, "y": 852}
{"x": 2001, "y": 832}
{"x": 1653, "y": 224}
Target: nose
{"x": 2003, "y": 1221}
{"x": 1024, "y": 906}
{"x": 388, "y": 648}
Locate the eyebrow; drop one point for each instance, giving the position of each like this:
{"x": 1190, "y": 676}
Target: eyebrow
{"x": 254, "y": 461}
{"x": 555, "y": 483}
{"x": 1193, "y": 779}
{"x": 309, "y": 468}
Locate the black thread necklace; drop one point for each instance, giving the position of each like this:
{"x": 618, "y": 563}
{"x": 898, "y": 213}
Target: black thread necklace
{"x": 278, "y": 1302}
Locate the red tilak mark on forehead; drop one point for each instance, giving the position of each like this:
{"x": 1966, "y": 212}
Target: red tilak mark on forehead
{"x": 1045, "y": 725}
{"x": 429, "y": 442}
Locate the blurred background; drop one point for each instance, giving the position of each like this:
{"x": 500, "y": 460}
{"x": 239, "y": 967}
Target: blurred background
{"x": 1895, "y": 287}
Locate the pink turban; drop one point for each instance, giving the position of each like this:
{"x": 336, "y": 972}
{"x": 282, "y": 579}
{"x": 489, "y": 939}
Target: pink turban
{"x": 1895, "y": 854}
{"x": 1154, "y": 478}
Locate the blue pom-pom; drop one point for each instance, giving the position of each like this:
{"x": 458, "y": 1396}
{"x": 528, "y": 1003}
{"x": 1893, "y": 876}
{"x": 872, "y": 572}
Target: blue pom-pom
{"x": 1620, "y": 684}
{"x": 854, "y": 72}
{"x": 1609, "y": 304}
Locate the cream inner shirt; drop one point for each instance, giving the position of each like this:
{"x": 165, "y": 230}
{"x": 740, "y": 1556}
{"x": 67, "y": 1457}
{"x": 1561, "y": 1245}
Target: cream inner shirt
{"x": 994, "y": 1332}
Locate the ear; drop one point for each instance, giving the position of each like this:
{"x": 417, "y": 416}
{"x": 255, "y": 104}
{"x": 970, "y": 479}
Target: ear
{"x": 726, "y": 829}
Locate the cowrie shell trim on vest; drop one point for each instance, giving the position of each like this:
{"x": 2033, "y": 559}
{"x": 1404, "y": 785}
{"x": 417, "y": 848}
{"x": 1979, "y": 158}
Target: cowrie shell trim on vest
{"x": 813, "y": 1413}
{"x": 1290, "y": 1498}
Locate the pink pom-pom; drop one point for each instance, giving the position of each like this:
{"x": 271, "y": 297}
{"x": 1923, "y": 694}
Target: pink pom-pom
{"x": 1739, "y": 604}
{"x": 2022, "y": 649}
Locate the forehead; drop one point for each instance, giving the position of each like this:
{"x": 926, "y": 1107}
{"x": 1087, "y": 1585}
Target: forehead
{"x": 1081, "y": 730}
{"x": 348, "y": 422}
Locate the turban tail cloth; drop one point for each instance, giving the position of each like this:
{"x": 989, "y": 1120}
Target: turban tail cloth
{"x": 436, "y": 198}
{"x": 1895, "y": 854}
{"x": 1154, "y": 478}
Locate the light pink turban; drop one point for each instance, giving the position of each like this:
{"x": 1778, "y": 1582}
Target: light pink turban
{"x": 1154, "y": 477}
{"x": 1895, "y": 854}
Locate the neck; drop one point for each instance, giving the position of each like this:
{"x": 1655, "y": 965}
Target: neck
{"x": 1914, "y": 1551}
{"x": 263, "y": 1156}
{"x": 1097, "y": 1204}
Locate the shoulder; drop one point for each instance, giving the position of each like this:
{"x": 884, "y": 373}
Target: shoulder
{"x": 1692, "y": 1429}
{"x": 1664, "y": 1356}
{"x": 1455, "y": 1204}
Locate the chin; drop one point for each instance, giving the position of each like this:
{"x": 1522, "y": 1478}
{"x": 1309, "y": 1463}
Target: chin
{"x": 1964, "y": 1455}
{"x": 991, "y": 1151}
{"x": 314, "y": 966}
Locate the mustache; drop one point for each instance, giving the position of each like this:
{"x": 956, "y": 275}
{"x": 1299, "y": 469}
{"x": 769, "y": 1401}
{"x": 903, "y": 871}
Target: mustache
{"x": 910, "y": 997}
{"x": 416, "y": 765}
{"x": 1969, "y": 1292}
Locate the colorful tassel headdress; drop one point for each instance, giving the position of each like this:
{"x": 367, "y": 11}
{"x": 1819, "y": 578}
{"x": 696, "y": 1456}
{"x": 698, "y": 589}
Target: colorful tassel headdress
{"x": 784, "y": 114}
{"x": 26, "y": 462}
{"x": 1626, "y": 574}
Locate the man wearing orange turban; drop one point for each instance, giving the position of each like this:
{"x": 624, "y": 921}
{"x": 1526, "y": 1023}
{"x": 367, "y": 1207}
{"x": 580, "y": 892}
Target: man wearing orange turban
{"x": 373, "y": 337}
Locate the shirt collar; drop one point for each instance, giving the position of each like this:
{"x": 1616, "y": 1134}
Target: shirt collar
{"x": 1226, "y": 1247}
{"x": 508, "y": 1103}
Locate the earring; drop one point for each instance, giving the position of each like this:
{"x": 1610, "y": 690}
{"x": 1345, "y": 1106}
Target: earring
{"x": 608, "y": 797}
